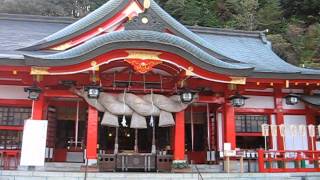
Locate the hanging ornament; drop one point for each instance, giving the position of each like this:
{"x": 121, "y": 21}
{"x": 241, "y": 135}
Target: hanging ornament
{"x": 151, "y": 121}
{"x": 124, "y": 122}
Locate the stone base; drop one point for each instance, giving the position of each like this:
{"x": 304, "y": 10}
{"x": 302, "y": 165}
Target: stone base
{"x": 184, "y": 170}
{"x": 235, "y": 166}
{"x": 89, "y": 169}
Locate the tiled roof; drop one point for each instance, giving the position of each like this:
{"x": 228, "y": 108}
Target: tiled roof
{"x": 221, "y": 48}
{"x": 15, "y": 34}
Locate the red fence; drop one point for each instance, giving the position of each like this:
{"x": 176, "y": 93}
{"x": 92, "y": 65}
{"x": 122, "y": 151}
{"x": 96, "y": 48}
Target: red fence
{"x": 288, "y": 161}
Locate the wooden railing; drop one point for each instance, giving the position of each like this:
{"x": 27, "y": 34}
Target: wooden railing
{"x": 288, "y": 161}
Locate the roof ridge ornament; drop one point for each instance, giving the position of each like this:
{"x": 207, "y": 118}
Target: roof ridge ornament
{"x": 148, "y": 20}
{"x": 146, "y": 4}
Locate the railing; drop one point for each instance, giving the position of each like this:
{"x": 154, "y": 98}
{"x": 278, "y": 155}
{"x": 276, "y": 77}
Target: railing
{"x": 288, "y": 161}
{"x": 9, "y": 159}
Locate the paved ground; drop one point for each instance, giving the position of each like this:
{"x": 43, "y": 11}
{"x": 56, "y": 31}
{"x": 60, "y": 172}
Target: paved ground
{"x": 28, "y": 175}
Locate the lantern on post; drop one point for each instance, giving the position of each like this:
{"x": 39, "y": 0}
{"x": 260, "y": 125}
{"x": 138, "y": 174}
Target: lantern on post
{"x": 293, "y": 132}
{"x": 312, "y": 134}
{"x": 282, "y": 129}
{"x": 265, "y": 133}
{"x": 274, "y": 133}
{"x": 33, "y": 92}
{"x": 303, "y": 132}
{"x": 292, "y": 99}
{"x": 237, "y": 100}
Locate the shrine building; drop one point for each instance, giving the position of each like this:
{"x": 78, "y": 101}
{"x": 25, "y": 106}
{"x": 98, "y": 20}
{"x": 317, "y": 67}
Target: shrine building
{"x": 130, "y": 85}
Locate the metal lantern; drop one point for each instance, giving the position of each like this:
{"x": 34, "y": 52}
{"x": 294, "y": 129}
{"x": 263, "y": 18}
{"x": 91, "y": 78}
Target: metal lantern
{"x": 93, "y": 91}
{"x": 292, "y": 99}
{"x": 186, "y": 96}
{"x": 34, "y": 92}
{"x": 238, "y": 100}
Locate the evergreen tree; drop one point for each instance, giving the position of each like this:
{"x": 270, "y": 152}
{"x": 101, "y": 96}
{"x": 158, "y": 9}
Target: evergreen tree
{"x": 269, "y": 16}
{"x": 246, "y": 13}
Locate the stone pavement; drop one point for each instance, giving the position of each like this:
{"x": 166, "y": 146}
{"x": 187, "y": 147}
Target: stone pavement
{"x": 36, "y": 175}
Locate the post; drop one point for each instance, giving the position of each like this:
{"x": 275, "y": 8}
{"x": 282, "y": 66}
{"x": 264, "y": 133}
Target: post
{"x": 77, "y": 125}
{"x": 279, "y": 116}
{"x": 92, "y": 135}
{"x": 153, "y": 147}
{"x": 261, "y": 161}
{"x": 116, "y": 143}
{"x": 179, "y": 139}
{"x": 229, "y": 125}
{"x": 38, "y": 108}
{"x": 136, "y": 141}
{"x": 310, "y": 120}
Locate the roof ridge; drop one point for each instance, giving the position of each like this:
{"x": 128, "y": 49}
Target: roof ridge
{"x": 65, "y": 19}
{"x": 37, "y": 18}
{"x": 212, "y": 30}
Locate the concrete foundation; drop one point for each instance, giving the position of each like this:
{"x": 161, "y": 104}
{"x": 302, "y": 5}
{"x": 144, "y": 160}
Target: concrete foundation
{"x": 28, "y": 175}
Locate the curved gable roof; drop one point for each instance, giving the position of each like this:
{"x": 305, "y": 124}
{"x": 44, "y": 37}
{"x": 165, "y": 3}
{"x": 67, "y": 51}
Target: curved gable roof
{"x": 139, "y": 39}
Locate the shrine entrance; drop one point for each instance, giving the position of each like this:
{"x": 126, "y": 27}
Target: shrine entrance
{"x": 127, "y": 138}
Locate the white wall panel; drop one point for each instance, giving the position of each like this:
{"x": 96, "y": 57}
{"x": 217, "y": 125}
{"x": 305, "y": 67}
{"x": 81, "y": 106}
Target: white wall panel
{"x": 259, "y": 102}
{"x": 298, "y": 142}
{"x": 12, "y": 92}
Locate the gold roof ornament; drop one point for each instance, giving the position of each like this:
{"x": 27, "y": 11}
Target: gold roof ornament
{"x": 133, "y": 54}
{"x": 146, "y": 4}
{"x": 189, "y": 71}
{"x": 238, "y": 80}
{"x": 39, "y": 71}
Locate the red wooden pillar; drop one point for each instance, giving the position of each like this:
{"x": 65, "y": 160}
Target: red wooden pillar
{"x": 229, "y": 125}
{"x": 279, "y": 115}
{"x": 92, "y": 134}
{"x": 311, "y": 119}
{"x": 38, "y": 108}
{"x": 179, "y": 137}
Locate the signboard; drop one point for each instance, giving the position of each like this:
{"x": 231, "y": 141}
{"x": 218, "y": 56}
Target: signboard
{"x": 34, "y": 143}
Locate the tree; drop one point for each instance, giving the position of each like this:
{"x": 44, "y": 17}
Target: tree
{"x": 96, "y": 4}
{"x": 75, "y": 8}
{"x": 308, "y": 10}
{"x": 245, "y": 16}
{"x": 193, "y": 12}
{"x": 269, "y": 16}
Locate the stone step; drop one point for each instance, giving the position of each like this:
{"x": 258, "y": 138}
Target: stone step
{"x": 203, "y": 168}
{"x": 56, "y": 167}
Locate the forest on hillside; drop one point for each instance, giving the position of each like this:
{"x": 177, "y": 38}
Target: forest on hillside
{"x": 293, "y": 26}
